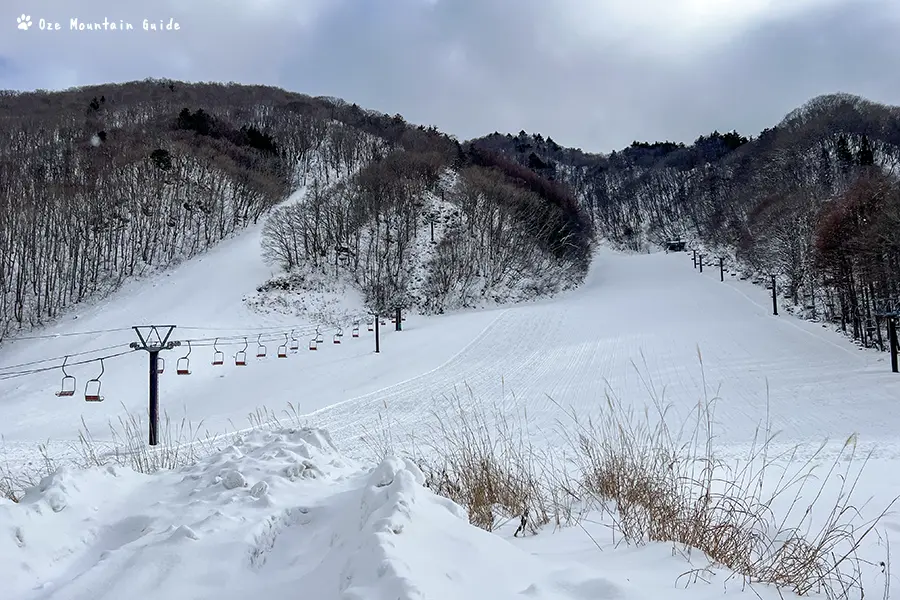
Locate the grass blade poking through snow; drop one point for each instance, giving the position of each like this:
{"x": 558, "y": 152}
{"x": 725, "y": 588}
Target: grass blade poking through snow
{"x": 486, "y": 462}
{"x": 660, "y": 488}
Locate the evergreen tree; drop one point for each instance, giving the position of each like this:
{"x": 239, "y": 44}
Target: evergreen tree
{"x": 865, "y": 156}
{"x": 844, "y": 156}
{"x": 826, "y": 179}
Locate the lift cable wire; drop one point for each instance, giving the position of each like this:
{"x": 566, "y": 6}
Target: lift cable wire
{"x": 268, "y": 334}
{"x": 256, "y": 330}
{"x": 232, "y": 340}
{"x": 13, "y": 375}
{"x": 51, "y": 336}
{"x": 55, "y": 358}
{"x": 238, "y": 339}
{"x": 272, "y": 328}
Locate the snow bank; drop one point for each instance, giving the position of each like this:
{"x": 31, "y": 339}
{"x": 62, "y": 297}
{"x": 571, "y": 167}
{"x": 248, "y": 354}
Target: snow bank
{"x": 283, "y": 515}
{"x": 275, "y": 515}
{"x": 112, "y": 533}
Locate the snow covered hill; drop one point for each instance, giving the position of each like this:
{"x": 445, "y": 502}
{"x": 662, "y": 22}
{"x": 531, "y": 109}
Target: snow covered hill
{"x": 282, "y": 512}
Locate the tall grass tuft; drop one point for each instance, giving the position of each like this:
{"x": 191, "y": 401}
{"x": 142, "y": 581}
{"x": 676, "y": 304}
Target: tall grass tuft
{"x": 765, "y": 518}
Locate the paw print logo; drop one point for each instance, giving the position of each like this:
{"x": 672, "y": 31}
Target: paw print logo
{"x": 24, "y": 22}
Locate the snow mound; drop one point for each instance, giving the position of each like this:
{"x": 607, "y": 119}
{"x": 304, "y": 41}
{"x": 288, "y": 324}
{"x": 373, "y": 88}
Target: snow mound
{"x": 415, "y": 545}
{"x": 274, "y": 513}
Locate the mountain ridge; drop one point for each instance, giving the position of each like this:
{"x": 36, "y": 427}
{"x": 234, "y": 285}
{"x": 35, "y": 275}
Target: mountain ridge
{"x": 813, "y": 200}
{"x": 110, "y": 182}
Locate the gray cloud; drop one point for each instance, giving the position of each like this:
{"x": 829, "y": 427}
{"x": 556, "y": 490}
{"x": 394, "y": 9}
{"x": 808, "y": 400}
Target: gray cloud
{"x": 595, "y": 74}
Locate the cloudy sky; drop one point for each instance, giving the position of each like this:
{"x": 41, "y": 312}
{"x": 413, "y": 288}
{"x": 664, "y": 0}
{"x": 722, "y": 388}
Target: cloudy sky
{"x": 594, "y": 74}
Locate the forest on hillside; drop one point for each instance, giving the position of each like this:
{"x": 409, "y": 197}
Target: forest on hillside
{"x": 104, "y": 183}
{"x": 507, "y": 225}
{"x": 814, "y": 200}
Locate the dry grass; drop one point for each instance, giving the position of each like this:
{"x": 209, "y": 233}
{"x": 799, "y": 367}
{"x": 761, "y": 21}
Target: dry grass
{"x": 263, "y": 418}
{"x": 489, "y": 466}
{"x": 754, "y": 518}
{"x": 484, "y": 460}
{"x": 769, "y": 518}
{"x": 181, "y": 443}
{"x": 13, "y": 483}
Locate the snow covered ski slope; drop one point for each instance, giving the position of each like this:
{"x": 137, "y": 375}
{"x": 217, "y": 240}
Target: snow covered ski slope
{"x": 636, "y": 323}
{"x": 282, "y": 513}
{"x": 204, "y": 298}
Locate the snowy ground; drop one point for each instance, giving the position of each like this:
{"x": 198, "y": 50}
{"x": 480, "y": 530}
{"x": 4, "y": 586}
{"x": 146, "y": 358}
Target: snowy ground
{"x": 115, "y": 534}
{"x": 573, "y": 349}
{"x": 283, "y": 515}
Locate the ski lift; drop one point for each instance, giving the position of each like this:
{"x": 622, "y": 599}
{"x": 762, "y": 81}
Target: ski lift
{"x": 240, "y": 358}
{"x": 283, "y": 349}
{"x": 313, "y": 343}
{"x": 92, "y": 387}
{"x": 355, "y": 332}
{"x": 295, "y": 343}
{"x": 260, "y": 348}
{"x": 67, "y": 388}
{"x": 218, "y": 355}
{"x": 371, "y": 325}
{"x": 337, "y": 336}
{"x": 319, "y": 338}
{"x": 183, "y": 366}
{"x": 160, "y": 365}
